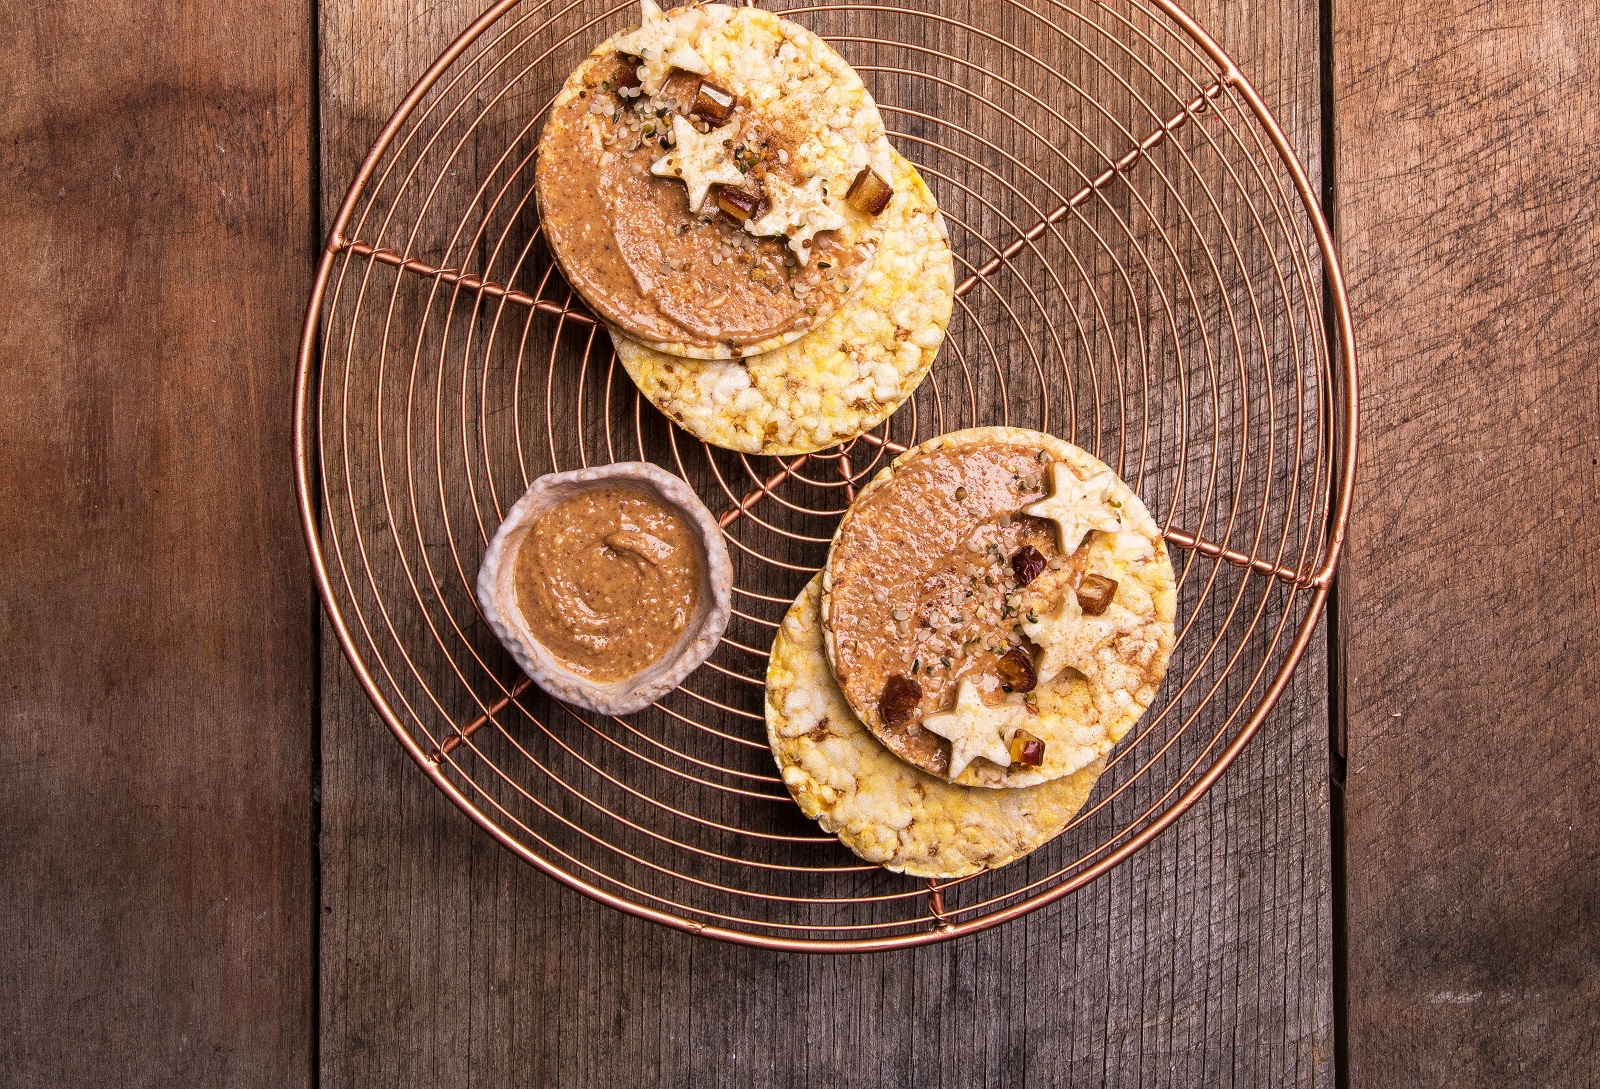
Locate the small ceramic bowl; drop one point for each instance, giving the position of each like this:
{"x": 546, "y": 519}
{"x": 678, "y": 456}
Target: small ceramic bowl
{"x": 498, "y": 599}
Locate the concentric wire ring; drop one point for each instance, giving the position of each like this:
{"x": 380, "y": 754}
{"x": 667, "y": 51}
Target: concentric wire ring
{"x": 1143, "y": 270}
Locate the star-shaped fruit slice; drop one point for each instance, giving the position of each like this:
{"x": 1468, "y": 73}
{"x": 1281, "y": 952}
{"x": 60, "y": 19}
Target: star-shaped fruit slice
{"x": 799, "y": 212}
{"x": 1076, "y": 506}
{"x": 975, "y": 729}
{"x": 699, "y": 160}
{"x": 1068, "y": 638}
{"x": 658, "y": 43}
{"x": 650, "y": 31}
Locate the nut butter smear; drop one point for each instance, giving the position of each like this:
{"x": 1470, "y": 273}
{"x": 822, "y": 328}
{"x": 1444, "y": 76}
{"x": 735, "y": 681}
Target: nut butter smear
{"x": 932, "y": 577}
{"x": 652, "y": 264}
{"x": 608, "y": 581}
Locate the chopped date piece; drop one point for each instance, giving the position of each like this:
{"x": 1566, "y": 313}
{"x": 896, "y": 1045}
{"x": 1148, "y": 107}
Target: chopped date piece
{"x": 1026, "y": 564}
{"x": 1095, "y": 593}
{"x": 869, "y": 194}
{"x": 739, "y": 204}
{"x": 681, "y": 87}
{"x": 1026, "y": 749}
{"x": 901, "y": 695}
{"x": 711, "y": 103}
{"x": 627, "y": 72}
{"x": 1016, "y": 671}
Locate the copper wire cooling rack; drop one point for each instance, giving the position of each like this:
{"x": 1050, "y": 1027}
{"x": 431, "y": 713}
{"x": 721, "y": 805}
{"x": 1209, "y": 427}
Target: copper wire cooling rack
{"x": 1142, "y": 269}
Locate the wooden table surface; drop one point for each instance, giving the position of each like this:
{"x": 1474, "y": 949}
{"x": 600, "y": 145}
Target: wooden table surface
{"x": 223, "y": 871}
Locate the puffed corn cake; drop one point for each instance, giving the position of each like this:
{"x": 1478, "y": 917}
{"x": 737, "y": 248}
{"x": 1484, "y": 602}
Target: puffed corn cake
{"x": 631, "y": 178}
{"x": 843, "y": 378}
{"x": 924, "y": 583}
{"x": 880, "y": 807}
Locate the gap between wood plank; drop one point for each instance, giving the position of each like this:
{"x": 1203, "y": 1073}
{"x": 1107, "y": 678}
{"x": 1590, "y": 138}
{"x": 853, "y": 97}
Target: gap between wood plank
{"x": 319, "y": 233}
{"x": 1339, "y": 940}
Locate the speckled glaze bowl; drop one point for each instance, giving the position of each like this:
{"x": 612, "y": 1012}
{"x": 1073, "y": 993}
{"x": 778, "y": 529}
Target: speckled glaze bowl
{"x": 498, "y": 599}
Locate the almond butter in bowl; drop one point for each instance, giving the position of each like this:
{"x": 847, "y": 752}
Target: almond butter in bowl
{"x": 608, "y": 585}
{"x": 998, "y": 607}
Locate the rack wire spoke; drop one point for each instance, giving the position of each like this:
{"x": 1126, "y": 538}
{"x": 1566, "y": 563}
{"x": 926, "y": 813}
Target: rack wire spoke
{"x": 492, "y": 289}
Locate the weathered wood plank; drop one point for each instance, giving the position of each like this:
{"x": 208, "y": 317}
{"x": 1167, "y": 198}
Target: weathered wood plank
{"x": 1204, "y": 961}
{"x": 155, "y": 626}
{"x": 1468, "y": 148}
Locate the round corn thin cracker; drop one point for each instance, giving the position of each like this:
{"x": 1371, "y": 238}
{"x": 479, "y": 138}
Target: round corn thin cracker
{"x": 685, "y": 280}
{"x": 927, "y": 547}
{"x": 880, "y": 807}
{"x": 843, "y": 378}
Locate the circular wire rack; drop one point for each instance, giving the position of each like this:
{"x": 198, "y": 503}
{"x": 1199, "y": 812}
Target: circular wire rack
{"x": 1142, "y": 269}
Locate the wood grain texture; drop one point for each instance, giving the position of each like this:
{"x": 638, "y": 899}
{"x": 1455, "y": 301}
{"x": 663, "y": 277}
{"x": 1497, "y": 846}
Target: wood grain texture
{"x": 155, "y": 626}
{"x": 1205, "y": 961}
{"x": 1469, "y": 141}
